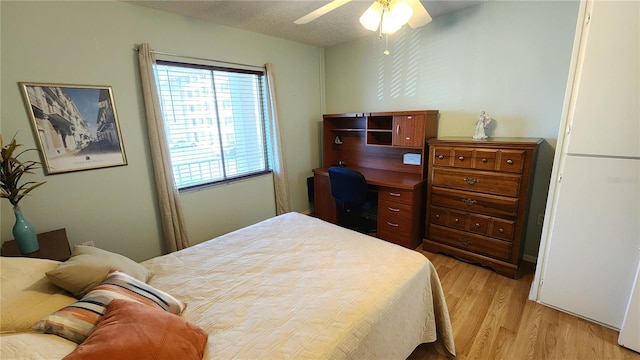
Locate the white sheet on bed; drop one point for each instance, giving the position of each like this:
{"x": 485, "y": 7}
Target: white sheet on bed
{"x": 296, "y": 287}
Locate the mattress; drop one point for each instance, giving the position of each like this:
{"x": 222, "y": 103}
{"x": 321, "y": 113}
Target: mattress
{"x": 294, "y": 287}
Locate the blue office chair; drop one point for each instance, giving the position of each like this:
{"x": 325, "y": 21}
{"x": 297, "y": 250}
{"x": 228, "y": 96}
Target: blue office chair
{"x": 357, "y": 204}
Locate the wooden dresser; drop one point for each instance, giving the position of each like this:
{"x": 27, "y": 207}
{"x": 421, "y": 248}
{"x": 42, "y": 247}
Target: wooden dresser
{"x": 478, "y": 198}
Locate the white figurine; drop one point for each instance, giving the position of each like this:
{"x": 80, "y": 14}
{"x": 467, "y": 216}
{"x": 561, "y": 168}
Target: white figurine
{"x": 481, "y": 123}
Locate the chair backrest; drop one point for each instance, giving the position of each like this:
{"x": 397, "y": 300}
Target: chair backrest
{"x": 348, "y": 187}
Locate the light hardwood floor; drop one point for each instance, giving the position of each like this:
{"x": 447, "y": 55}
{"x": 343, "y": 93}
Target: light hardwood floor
{"x": 493, "y": 319}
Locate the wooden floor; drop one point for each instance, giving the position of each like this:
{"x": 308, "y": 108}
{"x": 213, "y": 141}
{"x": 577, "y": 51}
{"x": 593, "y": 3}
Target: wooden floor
{"x": 493, "y": 319}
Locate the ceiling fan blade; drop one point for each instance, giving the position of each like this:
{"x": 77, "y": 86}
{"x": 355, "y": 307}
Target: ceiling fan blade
{"x": 420, "y": 16}
{"x": 320, "y": 11}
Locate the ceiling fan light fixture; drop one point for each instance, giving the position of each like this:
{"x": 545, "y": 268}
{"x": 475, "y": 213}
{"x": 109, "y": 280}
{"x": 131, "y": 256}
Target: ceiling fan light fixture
{"x": 371, "y": 18}
{"x": 398, "y": 15}
{"x": 387, "y": 15}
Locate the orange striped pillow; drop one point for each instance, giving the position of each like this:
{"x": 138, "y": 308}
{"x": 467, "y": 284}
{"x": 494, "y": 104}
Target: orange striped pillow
{"x": 76, "y": 321}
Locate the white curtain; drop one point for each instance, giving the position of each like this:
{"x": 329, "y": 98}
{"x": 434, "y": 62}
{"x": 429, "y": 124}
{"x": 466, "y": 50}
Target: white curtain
{"x": 280, "y": 177}
{"x": 173, "y": 226}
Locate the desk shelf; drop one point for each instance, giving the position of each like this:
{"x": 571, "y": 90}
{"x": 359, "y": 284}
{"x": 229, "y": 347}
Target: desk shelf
{"x": 380, "y": 137}
{"x": 339, "y": 130}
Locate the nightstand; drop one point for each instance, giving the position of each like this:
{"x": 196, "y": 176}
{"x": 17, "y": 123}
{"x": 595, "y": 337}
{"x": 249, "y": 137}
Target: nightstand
{"x": 53, "y": 245}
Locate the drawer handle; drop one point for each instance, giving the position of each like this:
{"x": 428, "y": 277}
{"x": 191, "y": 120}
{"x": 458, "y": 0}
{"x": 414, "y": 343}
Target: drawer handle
{"x": 466, "y": 242}
{"x": 456, "y": 220}
{"x": 394, "y": 194}
{"x": 392, "y": 224}
{"x": 437, "y": 216}
{"x": 484, "y": 160}
{"x": 471, "y": 181}
{"x": 461, "y": 158}
{"x": 393, "y": 209}
{"x": 477, "y": 225}
{"x": 469, "y": 202}
{"x": 510, "y": 162}
{"x": 440, "y": 157}
{"x": 501, "y": 231}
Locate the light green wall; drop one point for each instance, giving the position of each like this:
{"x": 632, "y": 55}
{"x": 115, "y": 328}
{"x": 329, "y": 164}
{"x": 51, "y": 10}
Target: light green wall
{"x": 508, "y": 58}
{"x": 92, "y": 43}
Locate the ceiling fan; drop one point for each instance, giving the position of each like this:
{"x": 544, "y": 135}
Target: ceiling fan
{"x": 385, "y": 16}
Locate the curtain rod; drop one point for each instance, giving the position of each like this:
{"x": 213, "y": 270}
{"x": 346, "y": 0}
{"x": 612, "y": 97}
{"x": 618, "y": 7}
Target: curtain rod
{"x": 205, "y": 59}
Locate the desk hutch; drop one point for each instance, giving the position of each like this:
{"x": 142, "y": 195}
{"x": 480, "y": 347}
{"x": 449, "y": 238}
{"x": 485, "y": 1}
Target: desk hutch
{"x": 389, "y": 149}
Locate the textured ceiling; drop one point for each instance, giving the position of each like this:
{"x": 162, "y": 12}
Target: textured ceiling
{"x": 276, "y": 18}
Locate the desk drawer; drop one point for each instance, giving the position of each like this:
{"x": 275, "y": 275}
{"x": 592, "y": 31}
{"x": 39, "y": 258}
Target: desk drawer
{"x": 494, "y": 205}
{"x": 393, "y": 209}
{"x": 387, "y": 194}
{"x": 398, "y": 231}
{"x": 471, "y": 242}
{"x": 485, "y": 182}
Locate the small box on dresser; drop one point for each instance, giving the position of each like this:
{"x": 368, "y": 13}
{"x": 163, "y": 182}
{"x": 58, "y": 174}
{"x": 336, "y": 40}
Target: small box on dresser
{"x": 478, "y": 195}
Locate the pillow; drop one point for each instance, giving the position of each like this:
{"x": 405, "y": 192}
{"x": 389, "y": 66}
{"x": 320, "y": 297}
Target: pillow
{"x": 89, "y": 265}
{"x": 76, "y": 321}
{"x": 133, "y": 331}
{"x": 26, "y": 295}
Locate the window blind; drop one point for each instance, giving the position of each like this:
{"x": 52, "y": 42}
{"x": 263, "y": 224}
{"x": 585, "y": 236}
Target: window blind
{"x": 215, "y": 122}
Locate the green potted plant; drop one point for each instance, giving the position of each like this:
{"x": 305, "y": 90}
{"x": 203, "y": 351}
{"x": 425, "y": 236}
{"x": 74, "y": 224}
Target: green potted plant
{"x": 13, "y": 188}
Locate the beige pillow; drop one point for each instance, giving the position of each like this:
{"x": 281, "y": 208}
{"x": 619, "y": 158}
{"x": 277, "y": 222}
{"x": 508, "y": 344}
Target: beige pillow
{"x": 89, "y": 265}
{"x": 26, "y": 295}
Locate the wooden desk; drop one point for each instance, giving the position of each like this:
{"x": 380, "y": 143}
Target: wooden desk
{"x": 53, "y": 245}
{"x": 376, "y": 144}
{"x": 400, "y": 203}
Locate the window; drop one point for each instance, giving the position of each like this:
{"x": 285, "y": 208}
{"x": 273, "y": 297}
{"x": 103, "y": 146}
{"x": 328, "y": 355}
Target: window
{"x": 232, "y": 143}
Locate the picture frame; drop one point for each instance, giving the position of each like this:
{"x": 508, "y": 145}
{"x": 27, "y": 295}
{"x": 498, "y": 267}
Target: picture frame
{"x": 76, "y": 126}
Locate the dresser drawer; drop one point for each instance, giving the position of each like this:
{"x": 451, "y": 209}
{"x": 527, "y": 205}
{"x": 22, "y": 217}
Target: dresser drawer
{"x": 437, "y": 215}
{"x": 386, "y": 194}
{"x": 485, "y": 159}
{"x": 479, "y": 224}
{"x": 475, "y": 223}
{"x": 457, "y": 219}
{"x": 502, "y": 229}
{"x": 471, "y": 242}
{"x": 480, "y": 159}
{"x": 494, "y": 205}
{"x": 511, "y": 161}
{"x": 446, "y": 156}
{"x": 442, "y": 156}
{"x": 480, "y": 181}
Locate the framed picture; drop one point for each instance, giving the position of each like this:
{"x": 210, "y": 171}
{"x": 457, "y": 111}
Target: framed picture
{"x": 76, "y": 126}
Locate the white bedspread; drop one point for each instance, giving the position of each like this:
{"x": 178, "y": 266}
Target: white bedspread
{"x": 295, "y": 287}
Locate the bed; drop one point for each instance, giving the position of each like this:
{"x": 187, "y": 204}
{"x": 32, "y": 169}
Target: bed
{"x": 292, "y": 287}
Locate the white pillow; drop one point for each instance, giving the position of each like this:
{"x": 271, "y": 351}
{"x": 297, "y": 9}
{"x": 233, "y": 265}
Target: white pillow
{"x": 26, "y": 295}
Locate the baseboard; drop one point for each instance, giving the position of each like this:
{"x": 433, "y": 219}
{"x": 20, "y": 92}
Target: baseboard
{"x": 529, "y": 258}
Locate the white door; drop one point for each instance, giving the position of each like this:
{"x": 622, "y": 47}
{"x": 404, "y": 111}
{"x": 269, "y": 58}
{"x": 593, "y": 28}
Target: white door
{"x": 592, "y": 255}
{"x": 630, "y": 332}
{"x": 606, "y": 116}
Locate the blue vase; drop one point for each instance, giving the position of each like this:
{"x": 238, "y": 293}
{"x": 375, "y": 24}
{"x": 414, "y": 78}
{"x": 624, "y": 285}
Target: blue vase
{"x": 24, "y": 233}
